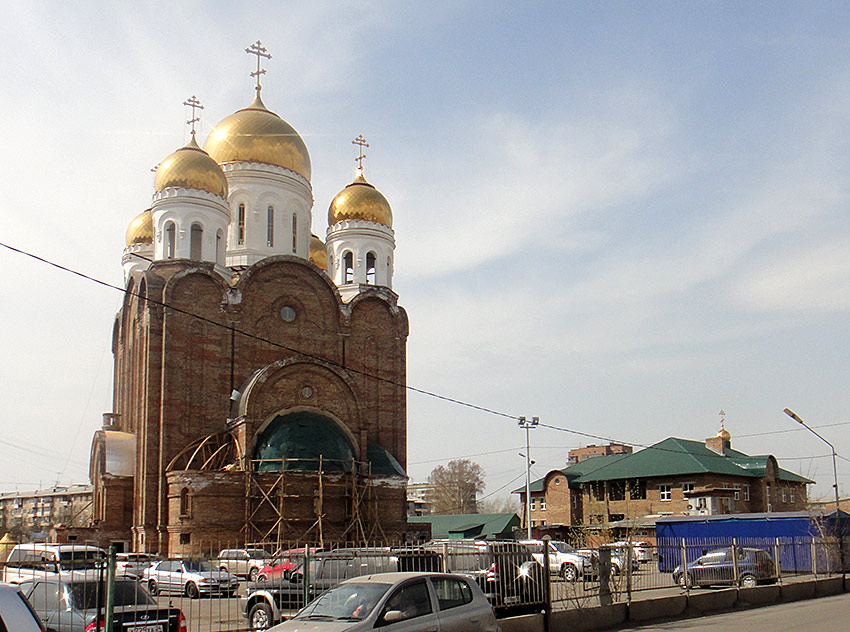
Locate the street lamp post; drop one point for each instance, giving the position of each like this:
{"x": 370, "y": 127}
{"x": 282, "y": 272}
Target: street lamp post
{"x": 528, "y": 425}
{"x": 796, "y": 418}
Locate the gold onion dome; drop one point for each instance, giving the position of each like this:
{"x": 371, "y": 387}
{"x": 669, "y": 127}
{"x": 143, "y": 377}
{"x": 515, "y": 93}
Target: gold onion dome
{"x": 256, "y": 134}
{"x": 723, "y": 433}
{"x": 140, "y": 230}
{"x": 318, "y": 252}
{"x": 190, "y": 167}
{"x": 360, "y": 200}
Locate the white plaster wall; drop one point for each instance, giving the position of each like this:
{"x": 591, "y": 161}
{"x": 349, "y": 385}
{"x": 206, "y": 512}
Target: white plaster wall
{"x": 186, "y": 207}
{"x": 360, "y": 237}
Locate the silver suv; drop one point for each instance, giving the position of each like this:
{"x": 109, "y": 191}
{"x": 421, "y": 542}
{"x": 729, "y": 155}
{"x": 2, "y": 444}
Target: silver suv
{"x": 31, "y": 561}
{"x": 564, "y": 560}
{"x": 243, "y": 562}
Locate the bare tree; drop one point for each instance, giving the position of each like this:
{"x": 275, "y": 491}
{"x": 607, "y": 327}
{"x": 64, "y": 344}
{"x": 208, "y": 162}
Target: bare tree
{"x": 499, "y": 504}
{"x": 455, "y": 487}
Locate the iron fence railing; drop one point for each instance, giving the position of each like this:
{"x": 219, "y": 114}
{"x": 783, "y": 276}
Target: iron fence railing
{"x": 194, "y": 593}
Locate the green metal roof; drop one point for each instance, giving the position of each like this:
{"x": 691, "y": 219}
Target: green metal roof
{"x": 482, "y": 526}
{"x": 678, "y": 457}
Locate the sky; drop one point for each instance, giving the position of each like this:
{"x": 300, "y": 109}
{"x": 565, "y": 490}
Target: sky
{"x": 619, "y": 217}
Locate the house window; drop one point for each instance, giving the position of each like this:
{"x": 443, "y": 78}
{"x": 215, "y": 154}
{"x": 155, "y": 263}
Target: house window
{"x": 597, "y": 491}
{"x": 240, "y": 224}
{"x": 637, "y": 490}
{"x": 747, "y": 492}
{"x": 687, "y": 487}
{"x": 617, "y": 490}
{"x": 737, "y": 493}
{"x": 784, "y": 495}
{"x": 185, "y": 538}
{"x": 184, "y": 502}
{"x": 196, "y": 240}
{"x": 543, "y": 504}
{"x": 294, "y": 231}
{"x": 792, "y": 494}
{"x": 542, "y": 523}
{"x": 270, "y": 226}
{"x": 533, "y": 523}
{"x": 532, "y": 504}
{"x": 666, "y": 492}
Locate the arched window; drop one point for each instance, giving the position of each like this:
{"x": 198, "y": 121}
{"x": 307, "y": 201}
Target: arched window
{"x": 219, "y": 245}
{"x": 270, "y": 226}
{"x": 240, "y": 227}
{"x": 196, "y": 240}
{"x": 294, "y": 231}
{"x": 348, "y": 267}
{"x": 170, "y": 237}
{"x": 370, "y": 268}
{"x": 184, "y": 501}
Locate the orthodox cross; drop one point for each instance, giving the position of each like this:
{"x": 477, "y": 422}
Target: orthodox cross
{"x": 362, "y": 143}
{"x": 260, "y": 51}
{"x": 195, "y": 105}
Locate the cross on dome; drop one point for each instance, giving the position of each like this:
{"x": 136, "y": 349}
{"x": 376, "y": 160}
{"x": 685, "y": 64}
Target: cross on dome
{"x": 362, "y": 143}
{"x": 193, "y": 103}
{"x": 260, "y": 51}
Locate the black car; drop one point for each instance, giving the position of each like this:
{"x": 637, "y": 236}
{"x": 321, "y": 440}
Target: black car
{"x": 267, "y": 603}
{"x": 72, "y": 604}
{"x": 506, "y": 571}
{"x": 723, "y": 566}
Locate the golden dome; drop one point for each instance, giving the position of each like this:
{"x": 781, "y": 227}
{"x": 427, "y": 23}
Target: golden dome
{"x": 318, "y": 252}
{"x": 723, "y": 433}
{"x": 140, "y": 230}
{"x": 256, "y": 134}
{"x": 360, "y": 200}
{"x": 190, "y": 167}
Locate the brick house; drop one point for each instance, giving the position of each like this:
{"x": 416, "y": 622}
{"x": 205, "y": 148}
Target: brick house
{"x": 672, "y": 477}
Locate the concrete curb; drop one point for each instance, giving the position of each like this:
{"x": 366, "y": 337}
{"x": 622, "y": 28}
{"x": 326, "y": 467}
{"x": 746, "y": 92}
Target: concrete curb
{"x": 712, "y": 601}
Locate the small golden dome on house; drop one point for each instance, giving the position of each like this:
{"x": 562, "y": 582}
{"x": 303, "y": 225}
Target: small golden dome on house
{"x": 723, "y": 433}
{"x": 360, "y": 201}
{"x": 140, "y": 230}
{"x": 190, "y": 167}
{"x": 318, "y": 252}
{"x": 256, "y": 134}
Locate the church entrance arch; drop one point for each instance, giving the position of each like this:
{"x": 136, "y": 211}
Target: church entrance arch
{"x": 301, "y": 441}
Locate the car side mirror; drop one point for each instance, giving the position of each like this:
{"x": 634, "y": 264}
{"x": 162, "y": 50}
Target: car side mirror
{"x": 392, "y": 616}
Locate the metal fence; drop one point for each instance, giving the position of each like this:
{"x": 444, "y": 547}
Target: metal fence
{"x": 195, "y": 595}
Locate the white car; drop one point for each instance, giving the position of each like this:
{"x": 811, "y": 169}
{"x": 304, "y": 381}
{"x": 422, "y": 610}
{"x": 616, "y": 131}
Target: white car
{"x": 31, "y": 561}
{"x": 564, "y": 560}
{"x": 16, "y": 613}
{"x": 642, "y": 551}
{"x": 192, "y": 578}
{"x": 421, "y": 602}
{"x": 132, "y": 564}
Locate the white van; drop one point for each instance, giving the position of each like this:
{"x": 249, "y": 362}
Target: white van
{"x": 29, "y": 561}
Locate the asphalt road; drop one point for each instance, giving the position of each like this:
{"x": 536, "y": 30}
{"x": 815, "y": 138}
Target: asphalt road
{"x": 826, "y": 614}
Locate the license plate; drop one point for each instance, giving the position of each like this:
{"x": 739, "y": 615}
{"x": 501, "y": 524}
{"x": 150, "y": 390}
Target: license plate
{"x": 150, "y": 627}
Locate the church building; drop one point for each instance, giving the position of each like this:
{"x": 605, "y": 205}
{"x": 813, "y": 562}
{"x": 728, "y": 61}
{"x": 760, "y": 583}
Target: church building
{"x": 259, "y": 373}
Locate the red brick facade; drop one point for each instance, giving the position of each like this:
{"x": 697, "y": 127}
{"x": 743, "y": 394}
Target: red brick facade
{"x": 176, "y": 368}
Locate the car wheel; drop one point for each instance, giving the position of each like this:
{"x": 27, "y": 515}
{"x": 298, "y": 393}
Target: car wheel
{"x": 192, "y": 591}
{"x": 252, "y": 575}
{"x": 260, "y": 616}
{"x": 685, "y": 582}
{"x": 223, "y": 569}
{"x": 569, "y": 573}
{"x": 748, "y": 581}
{"x": 153, "y": 588}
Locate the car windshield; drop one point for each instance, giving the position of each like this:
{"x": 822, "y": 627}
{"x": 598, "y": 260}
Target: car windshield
{"x": 562, "y": 547}
{"x": 197, "y": 566}
{"x": 84, "y": 595}
{"x": 257, "y": 553}
{"x": 353, "y": 602}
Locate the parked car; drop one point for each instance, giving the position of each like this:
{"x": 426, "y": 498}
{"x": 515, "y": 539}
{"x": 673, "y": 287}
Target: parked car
{"x": 618, "y": 559}
{"x": 501, "y": 569}
{"x": 192, "y": 578}
{"x": 754, "y": 566}
{"x": 132, "y": 564}
{"x": 641, "y": 551}
{"x": 30, "y": 561}
{"x": 16, "y": 613}
{"x": 564, "y": 560}
{"x": 422, "y": 602}
{"x": 268, "y": 602}
{"x": 285, "y": 561}
{"x": 243, "y": 562}
{"x": 77, "y": 604}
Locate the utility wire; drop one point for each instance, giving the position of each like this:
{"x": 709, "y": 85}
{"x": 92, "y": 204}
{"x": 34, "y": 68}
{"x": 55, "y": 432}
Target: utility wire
{"x": 339, "y": 365}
